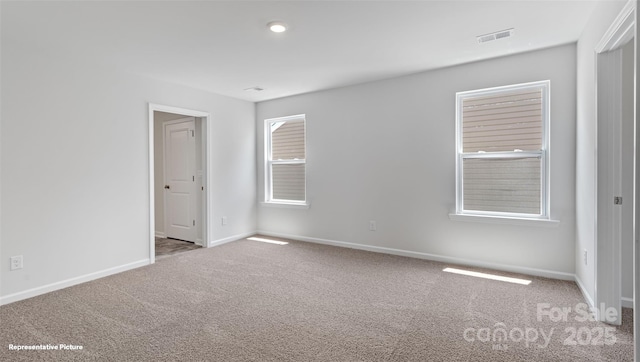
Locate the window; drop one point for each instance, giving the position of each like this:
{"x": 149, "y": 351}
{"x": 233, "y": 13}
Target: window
{"x": 502, "y": 151}
{"x": 285, "y": 154}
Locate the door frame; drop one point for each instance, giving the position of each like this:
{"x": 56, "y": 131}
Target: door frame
{"x": 608, "y": 257}
{"x": 206, "y": 139}
{"x": 636, "y": 192}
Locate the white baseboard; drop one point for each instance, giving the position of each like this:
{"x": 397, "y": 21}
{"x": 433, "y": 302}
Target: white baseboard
{"x": 444, "y": 259}
{"x": 230, "y": 239}
{"x": 99, "y": 274}
{"x": 627, "y": 302}
{"x": 585, "y": 294}
{"x": 160, "y": 234}
{"x": 70, "y": 282}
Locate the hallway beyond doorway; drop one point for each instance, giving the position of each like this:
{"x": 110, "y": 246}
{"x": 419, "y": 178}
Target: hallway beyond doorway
{"x": 168, "y": 247}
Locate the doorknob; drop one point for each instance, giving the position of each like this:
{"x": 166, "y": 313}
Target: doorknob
{"x": 167, "y": 187}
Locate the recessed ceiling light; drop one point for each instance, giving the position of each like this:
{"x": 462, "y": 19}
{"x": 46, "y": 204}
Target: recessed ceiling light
{"x": 277, "y": 26}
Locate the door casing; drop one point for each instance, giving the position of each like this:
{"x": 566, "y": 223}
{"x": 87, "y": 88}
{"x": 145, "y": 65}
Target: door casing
{"x": 207, "y": 174}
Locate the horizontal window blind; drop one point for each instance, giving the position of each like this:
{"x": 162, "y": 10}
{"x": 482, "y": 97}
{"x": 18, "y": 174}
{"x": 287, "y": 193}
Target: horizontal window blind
{"x": 503, "y": 122}
{"x": 288, "y": 182}
{"x": 502, "y": 185}
{"x": 287, "y": 141}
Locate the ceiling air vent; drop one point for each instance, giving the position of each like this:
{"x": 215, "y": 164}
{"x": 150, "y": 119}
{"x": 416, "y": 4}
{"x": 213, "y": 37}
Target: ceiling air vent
{"x": 495, "y": 36}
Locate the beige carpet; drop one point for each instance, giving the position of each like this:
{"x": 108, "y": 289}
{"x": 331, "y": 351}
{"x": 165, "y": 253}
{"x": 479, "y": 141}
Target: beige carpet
{"x": 253, "y": 301}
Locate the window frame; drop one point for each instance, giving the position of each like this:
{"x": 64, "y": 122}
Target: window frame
{"x": 268, "y": 162}
{"x": 543, "y": 153}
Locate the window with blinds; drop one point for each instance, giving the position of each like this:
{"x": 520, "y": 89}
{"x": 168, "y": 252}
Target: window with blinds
{"x": 502, "y": 147}
{"x": 286, "y": 160}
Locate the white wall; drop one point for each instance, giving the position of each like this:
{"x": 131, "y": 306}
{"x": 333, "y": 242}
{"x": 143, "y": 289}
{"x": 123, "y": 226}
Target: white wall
{"x": 385, "y": 151}
{"x": 75, "y": 166}
{"x": 603, "y": 15}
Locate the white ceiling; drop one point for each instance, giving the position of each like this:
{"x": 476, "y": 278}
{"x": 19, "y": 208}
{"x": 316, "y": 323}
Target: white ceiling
{"x": 225, "y": 46}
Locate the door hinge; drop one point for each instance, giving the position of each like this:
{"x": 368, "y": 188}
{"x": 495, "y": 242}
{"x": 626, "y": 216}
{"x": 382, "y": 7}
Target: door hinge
{"x": 193, "y": 178}
{"x": 617, "y": 200}
{"x": 194, "y": 223}
{"x": 193, "y": 133}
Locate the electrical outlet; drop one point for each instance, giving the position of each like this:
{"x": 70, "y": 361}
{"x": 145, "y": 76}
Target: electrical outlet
{"x": 372, "y": 225}
{"x": 223, "y": 220}
{"x": 584, "y": 256}
{"x": 16, "y": 262}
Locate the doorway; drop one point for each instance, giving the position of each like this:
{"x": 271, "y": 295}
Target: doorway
{"x": 179, "y": 168}
{"x": 179, "y": 193}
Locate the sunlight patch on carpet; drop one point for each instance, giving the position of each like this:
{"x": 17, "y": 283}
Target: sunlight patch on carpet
{"x": 263, "y": 240}
{"x": 487, "y": 276}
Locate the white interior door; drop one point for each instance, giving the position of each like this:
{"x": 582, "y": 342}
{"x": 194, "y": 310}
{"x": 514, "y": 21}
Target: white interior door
{"x": 180, "y": 182}
{"x": 609, "y": 180}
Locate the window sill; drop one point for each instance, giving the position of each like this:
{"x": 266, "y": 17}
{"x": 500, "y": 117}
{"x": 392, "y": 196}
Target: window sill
{"x": 285, "y": 205}
{"x": 492, "y": 219}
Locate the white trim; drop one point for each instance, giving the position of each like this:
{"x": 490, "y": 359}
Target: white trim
{"x": 286, "y": 205}
{"x": 160, "y": 234}
{"x": 230, "y": 239}
{"x": 585, "y": 294}
{"x": 99, "y": 274}
{"x": 503, "y": 154}
{"x": 29, "y": 293}
{"x": 493, "y": 219}
{"x": 620, "y": 31}
{"x": 636, "y": 191}
{"x": 208, "y": 198}
{"x": 288, "y": 162}
{"x": 433, "y": 257}
{"x": 268, "y": 180}
{"x": 1, "y": 168}
{"x": 626, "y": 302}
{"x": 295, "y": 117}
{"x": 543, "y": 154}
